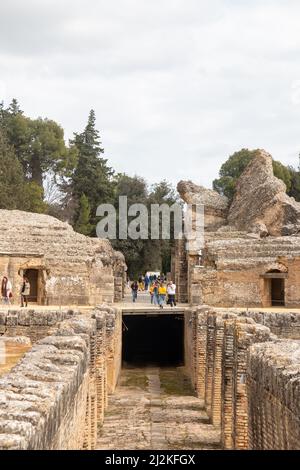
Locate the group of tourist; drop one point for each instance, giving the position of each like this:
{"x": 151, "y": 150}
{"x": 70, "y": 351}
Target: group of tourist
{"x": 7, "y": 291}
{"x": 145, "y": 282}
{"x": 161, "y": 292}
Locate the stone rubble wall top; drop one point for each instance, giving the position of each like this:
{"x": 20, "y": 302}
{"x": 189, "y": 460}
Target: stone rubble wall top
{"x": 26, "y": 233}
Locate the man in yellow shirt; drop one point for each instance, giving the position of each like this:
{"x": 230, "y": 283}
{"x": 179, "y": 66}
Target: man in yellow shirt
{"x": 162, "y": 292}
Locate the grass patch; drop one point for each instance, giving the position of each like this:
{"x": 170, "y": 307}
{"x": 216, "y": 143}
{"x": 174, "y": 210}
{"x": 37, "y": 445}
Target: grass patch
{"x": 186, "y": 445}
{"x": 137, "y": 380}
{"x": 174, "y": 382}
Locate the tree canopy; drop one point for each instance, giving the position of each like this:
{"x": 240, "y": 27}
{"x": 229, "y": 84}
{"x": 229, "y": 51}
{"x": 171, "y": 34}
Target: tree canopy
{"x": 16, "y": 192}
{"x": 92, "y": 176}
{"x": 234, "y": 166}
{"x": 38, "y": 144}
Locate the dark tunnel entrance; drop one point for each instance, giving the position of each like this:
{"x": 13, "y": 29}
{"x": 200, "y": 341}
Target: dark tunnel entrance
{"x": 153, "y": 340}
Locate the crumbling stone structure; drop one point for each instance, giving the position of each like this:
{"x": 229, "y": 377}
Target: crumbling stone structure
{"x": 248, "y": 377}
{"x": 251, "y": 251}
{"x": 63, "y": 267}
{"x": 273, "y": 389}
{"x": 55, "y": 397}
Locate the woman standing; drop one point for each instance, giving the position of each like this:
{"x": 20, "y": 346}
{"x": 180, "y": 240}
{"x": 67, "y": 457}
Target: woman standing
{"x": 6, "y": 290}
{"x": 25, "y": 291}
{"x": 134, "y": 290}
{"x": 156, "y": 293}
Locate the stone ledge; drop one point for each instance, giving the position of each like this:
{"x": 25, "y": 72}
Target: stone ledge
{"x": 38, "y": 392}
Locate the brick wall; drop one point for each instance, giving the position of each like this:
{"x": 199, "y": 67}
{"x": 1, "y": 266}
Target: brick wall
{"x": 222, "y": 340}
{"x": 248, "y": 377}
{"x": 273, "y": 387}
{"x": 55, "y": 398}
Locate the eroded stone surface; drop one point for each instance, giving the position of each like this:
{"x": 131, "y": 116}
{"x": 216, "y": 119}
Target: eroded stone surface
{"x": 261, "y": 203}
{"x": 216, "y": 206}
{"x": 153, "y": 409}
{"x": 73, "y": 269}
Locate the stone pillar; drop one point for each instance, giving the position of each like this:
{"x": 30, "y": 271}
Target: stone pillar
{"x": 100, "y": 365}
{"x": 227, "y": 387}
{"x": 217, "y": 373}
{"x": 245, "y": 334}
{"x": 181, "y": 271}
{"x": 211, "y": 318}
{"x": 201, "y": 354}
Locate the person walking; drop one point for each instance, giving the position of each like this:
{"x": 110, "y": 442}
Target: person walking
{"x": 156, "y": 293}
{"x": 151, "y": 292}
{"x": 25, "y": 291}
{"x": 147, "y": 282}
{"x": 171, "y": 290}
{"x": 134, "y": 290}
{"x": 6, "y": 290}
{"x": 162, "y": 291}
{"x": 141, "y": 284}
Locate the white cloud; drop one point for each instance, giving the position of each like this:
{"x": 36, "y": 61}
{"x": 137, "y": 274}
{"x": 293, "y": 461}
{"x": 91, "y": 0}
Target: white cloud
{"x": 177, "y": 85}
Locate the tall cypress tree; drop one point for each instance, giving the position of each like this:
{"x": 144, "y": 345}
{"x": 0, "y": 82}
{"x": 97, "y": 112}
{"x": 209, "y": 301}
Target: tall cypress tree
{"x": 92, "y": 176}
{"x": 83, "y": 223}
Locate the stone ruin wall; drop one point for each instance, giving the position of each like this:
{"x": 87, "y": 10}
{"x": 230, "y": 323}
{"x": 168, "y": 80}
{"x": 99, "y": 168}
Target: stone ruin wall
{"x": 273, "y": 389}
{"x": 244, "y": 239}
{"x": 230, "y": 282}
{"x": 33, "y": 323}
{"x": 179, "y": 273}
{"x": 248, "y": 378}
{"x": 56, "y": 396}
{"x": 72, "y": 269}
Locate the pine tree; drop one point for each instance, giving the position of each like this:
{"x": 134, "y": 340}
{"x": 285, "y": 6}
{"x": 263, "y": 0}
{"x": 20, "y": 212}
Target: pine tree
{"x": 38, "y": 144}
{"x": 92, "y": 176}
{"x": 11, "y": 177}
{"x": 16, "y": 192}
{"x": 14, "y": 108}
{"x": 82, "y": 225}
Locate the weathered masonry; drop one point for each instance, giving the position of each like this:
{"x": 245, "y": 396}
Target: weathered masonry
{"x": 63, "y": 267}
{"x": 251, "y": 252}
{"x": 248, "y": 376}
{"x": 56, "y": 396}
{"x": 244, "y": 364}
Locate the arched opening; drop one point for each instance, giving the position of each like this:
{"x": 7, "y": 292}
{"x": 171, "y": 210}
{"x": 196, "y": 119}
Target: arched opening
{"x": 33, "y": 277}
{"x": 274, "y": 288}
{"x": 277, "y": 292}
{"x": 153, "y": 340}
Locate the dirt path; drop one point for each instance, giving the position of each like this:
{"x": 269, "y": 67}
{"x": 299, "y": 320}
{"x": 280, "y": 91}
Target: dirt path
{"x": 155, "y": 409}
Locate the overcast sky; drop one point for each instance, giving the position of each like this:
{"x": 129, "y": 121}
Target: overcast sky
{"x": 177, "y": 85}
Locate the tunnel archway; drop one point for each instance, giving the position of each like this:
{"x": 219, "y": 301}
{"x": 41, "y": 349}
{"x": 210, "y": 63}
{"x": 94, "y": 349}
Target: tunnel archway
{"x": 153, "y": 340}
{"x": 277, "y": 292}
{"x": 274, "y": 287}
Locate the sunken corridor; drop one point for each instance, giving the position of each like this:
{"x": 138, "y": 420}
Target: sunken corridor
{"x": 153, "y": 339}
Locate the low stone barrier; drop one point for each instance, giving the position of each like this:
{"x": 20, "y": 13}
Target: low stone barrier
{"x": 234, "y": 360}
{"x": 36, "y": 323}
{"x": 55, "y": 397}
{"x": 283, "y": 324}
{"x": 273, "y": 383}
